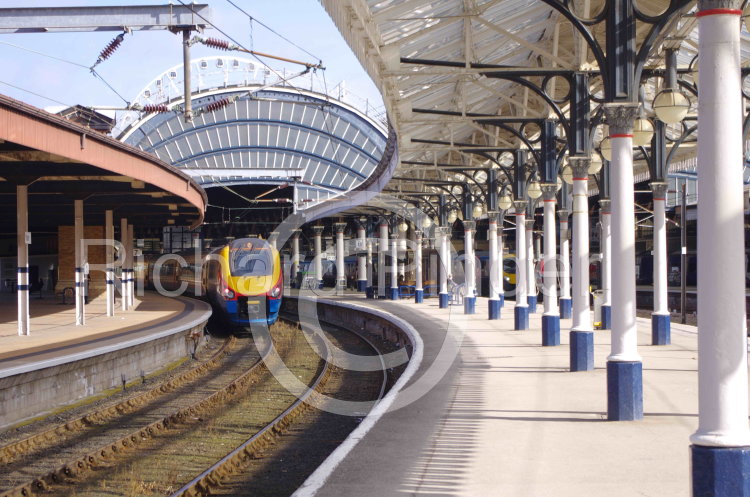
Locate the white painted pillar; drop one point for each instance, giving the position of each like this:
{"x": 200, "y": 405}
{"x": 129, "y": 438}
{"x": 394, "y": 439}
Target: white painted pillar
{"x": 722, "y": 334}
{"x": 394, "y": 266}
{"x": 581, "y": 306}
{"x": 318, "y": 245}
{"x": 530, "y": 276}
{"x": 495, "y": 275}
{"x": 550, "y": 252}
{"x": 295, "y": 253}
{"x": 564, "y": 254}
{"x": 661, "y": 303}
{"x": 131, "y": 266}
{"x": 521, "y": 296}
{"x": 382, "y": 252}
{"x": 442, "y": 247}
{"x": 79, "y": 262}
{"x": 606, "y": 216}
{"x": 22, "y": 227}
{"x": 624, "y": 334}
{"x": 361, "y": 259}
{"x": 418, "y": 276}
{"x": 109, "y": 235}
{"x": 499, "y": 269}
{"x": 369, "y": 263}
{"x": 340, "y": 266}
{"x": 469, "y": 262}
{"x": 125, "y": 300}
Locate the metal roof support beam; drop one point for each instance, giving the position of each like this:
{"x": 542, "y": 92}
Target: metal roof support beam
{"x": 110, "y": 18}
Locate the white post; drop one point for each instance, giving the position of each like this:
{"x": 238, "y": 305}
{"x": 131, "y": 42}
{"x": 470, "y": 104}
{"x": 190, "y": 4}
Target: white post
{"x": 624, "y": 368}
{"x": 442, "y": 239}
{"x": 109, "y": 235}
{"x": 369, "y": 268}
{"x": 295, "y": 254}
{"x": 340, "y": 266}
{"x": 521, "y": 312}
{"x": 565, "y": 301}
{"x": 496, "y": 281}
{"x": 318, "y": 244}
{"x": 660, "y": 324}
{"x": 361, "y": 258}
{"x": 394, "y": 266}
{"x": 124, "y": 285}
{"x": 581, "y": 333}
{"x": 382, "y": 251}
{"x": 418, "y": 277}
{"x": 470, "y": 297}
{"x": 606, "y": 245}
{"x": 131, "y": 266}
{"x": 499, "y": 269}
{"x": 79, "y": 262}
{"x": 531, "y": 296}
{"x": 22, "y": 227}
{"x": 551, "y": 317}
{"x": 722, "y": 439}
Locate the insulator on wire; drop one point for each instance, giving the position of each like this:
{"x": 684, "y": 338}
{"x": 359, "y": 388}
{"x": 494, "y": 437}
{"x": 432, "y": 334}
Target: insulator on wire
{"x": 216, "y": 43}
{"x": 217, "y": 105}
{"x": 157, "y": 108}
{"x": 111, "y": 48}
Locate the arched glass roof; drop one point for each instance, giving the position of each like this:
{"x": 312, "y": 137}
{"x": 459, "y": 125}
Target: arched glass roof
{"x": 246, "y": 132}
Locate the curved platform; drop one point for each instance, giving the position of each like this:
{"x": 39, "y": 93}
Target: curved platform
{"x": 506, "y": 417}
{"x": 60, "y": 362}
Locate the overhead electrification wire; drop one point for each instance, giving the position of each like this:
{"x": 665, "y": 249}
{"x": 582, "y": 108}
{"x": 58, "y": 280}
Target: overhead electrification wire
{"x": 35, "y": 94}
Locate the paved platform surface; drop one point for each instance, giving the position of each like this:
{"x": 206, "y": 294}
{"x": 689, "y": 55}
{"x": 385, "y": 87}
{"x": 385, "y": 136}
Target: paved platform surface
{"x": 509, "y": 419}
{"x": 54, "y": 333}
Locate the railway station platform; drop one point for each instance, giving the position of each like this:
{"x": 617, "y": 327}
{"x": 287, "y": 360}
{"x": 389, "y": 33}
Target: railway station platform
{"x": 505, "y": 417}
{"x": 60, "y": 362}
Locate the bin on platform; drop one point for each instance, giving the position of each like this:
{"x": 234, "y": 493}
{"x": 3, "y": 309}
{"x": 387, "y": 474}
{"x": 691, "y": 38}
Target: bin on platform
{"x": 598, "y": 303}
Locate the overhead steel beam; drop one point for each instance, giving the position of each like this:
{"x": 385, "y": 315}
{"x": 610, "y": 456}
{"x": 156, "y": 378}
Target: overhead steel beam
{"x": 113, "y": 18}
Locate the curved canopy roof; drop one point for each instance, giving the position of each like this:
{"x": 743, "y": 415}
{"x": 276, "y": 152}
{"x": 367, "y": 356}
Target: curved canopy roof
{"x": 246, "y": 132}
{"x": 445, "y": 69}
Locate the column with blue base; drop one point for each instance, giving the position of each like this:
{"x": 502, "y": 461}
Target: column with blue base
{"x": 660, "y": 323}
{"x": 340, "y": 264}
{"x": 551, "y": 316}
{"x": 470, "y": 300}
{"x": 318, "y": 261}
{"x": 418, "y": 289}
{"x": 581, "y": 334}
{"x": 362, "y": 255}
{"x": 382, "y": 257}
{"x": 394, "y": 293}
{"x": 566, "y": 303}
{"x": 443, "y": 240}
{"x": 369, "y": 289}
{"x": 521, "y": 310}
{"x": 495, "y": 272}
{"x": 624, "y": 370}
{"x": 531, "y": 290}
{"x": 605, "y": 213}
{"x": 721, "y": 446}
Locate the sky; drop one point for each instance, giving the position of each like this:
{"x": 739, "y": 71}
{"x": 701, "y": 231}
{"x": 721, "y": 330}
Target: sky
{"x": 144, "y": 55}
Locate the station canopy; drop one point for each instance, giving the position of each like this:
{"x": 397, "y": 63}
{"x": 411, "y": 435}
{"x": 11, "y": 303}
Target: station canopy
{"x": 446, "y": 68}
{"x": 253, "y": 134}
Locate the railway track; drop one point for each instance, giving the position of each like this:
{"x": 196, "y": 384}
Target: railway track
{"x": 157, "y": 443}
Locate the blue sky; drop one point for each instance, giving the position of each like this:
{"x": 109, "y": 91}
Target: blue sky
{"x": 145, "y": 55}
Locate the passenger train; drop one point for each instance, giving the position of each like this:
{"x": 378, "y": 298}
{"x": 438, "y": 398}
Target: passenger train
{"x": 242, "y": 280}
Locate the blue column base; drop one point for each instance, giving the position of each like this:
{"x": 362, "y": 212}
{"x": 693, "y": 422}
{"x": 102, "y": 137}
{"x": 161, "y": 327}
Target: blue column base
{"x": 418, "y": 296}
{"x": 320, "y": 284}
{"x": 494, "y": 309}
{"x": 550, "y": 330}
{"x": 501, "y": 298}
{"x": 660, "y": 329}
{"x": 606, "y": 317}
{"x": 531, "y": 299}
{"x": 444, "y": 300}
{"x": 393, "y": 293}
{"x": 521, "y": 318}
{"x": 470, "y": 305}
{"x": 581, "y": 350}
{"x": 361, "y": 285}
{"x": 624, "y": 391}
{"x": 370, "y": 292}
{"x": 566, "y": 308}
{"x": 720, "y": 471}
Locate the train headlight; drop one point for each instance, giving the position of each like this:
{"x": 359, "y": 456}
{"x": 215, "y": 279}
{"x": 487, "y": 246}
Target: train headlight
{"x": 275, "y": 292}
{"x": 228, "y": 294}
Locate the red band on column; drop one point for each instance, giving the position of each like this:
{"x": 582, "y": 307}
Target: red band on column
{"x": 551, "y": 200}
{"x": 623, "y": 135}
{"x": 581, "y": 179}
{"x": 662, "y": 199}
{"x": 714, "y": 12}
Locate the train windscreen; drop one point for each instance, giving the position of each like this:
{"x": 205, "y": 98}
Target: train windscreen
{"x": 250, "y": 257}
